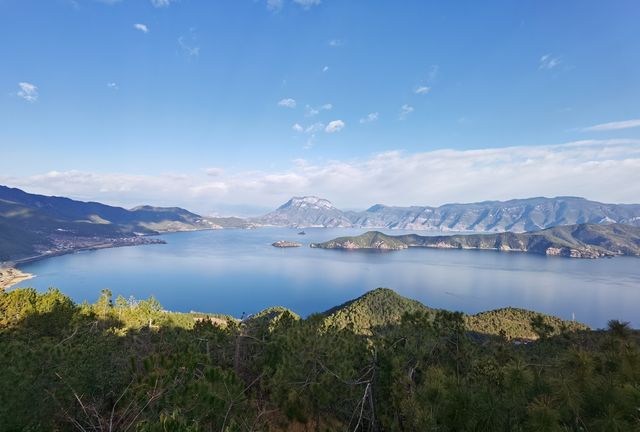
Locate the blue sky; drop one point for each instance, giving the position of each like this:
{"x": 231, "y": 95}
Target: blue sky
{"x": 192, "y": 102}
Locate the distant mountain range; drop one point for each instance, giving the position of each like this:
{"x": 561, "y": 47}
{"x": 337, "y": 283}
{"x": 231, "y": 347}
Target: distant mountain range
{"x": 518, "y": 215}
{"x": 575, "y": 241}
{"x": 33, "y": 225}
{"x": 36, "y": 225}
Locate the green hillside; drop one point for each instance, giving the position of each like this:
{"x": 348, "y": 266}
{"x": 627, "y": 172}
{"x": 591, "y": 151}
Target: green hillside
{"x": 368, "y": 240}
{"x": 514, "y": 323}
{"x": 373, "y": 311}
{"x": 129, "y": 365}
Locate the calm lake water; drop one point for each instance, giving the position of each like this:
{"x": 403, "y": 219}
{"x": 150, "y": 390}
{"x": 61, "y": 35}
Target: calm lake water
{"x": 238, "y": 272}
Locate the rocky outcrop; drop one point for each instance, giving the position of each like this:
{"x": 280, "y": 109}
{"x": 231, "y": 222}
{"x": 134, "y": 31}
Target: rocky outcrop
{"x": 286, "y": 244}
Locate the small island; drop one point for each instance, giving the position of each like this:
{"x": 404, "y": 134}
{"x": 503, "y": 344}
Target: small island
{"x": 573, "y": 241}
{"x": 286, "y": 244}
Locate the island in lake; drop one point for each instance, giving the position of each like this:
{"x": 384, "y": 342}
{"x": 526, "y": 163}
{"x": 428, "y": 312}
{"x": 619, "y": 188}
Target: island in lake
{"x": 286, "y": 244}
{"x": 574, "y": 241}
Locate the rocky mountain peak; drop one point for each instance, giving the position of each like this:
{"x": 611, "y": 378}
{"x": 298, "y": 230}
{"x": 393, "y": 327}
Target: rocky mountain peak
{"x": 308, "y": 202}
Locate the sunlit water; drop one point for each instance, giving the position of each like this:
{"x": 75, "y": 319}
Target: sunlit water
{"x": 238, "y": 272}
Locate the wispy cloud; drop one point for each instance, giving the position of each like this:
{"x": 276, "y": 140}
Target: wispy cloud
{"x": 336, "y": 43}
{"x": 548, "y": 61}
{"x": 334, "y": 126}
{"x": 325, "y": 69}
{"x": 306, "y": 4}
{"x": 432, "y": 75}
{"x": 603, "y": 127}
{"x": 142, "y": 27}
{"x": 28, "y": 91}
{"x": 311, "y": 131}
{"x": 603, "y": 170}
{"x": 287, "y": 103}
{"x": 314, "y": 128}
{"x": 189, "y": 48}
{"x": 312, "y": 112}
{"x": 405, "y": 110}
{"x": 275, "y": 5}
{"x": 113, "y": 86}
{"x": 369, "y": 118}
{"x": 434, "y": 70}
{"x": 162, "y": 3}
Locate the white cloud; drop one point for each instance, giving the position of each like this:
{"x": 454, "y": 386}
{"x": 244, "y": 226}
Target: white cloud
{"x": 287, "y": 103}
{"x": 161, "y": 3}
{"x": 334, "y": 126}
{"x": 113, "y": 86}
{"x": 142, "y": 27}
{"x": 625, "y": 124}
{"x": 298, "y": 128}
{"x": 421, "y": 90}
{"x": 405, "y": 110}
{"x": 603, "y": 170}
{"x": 336, "y": 43}
{"x": 311, "y": 111}
{"x": 306, "y": 4}
{"x": 548, "y": 61}
{"x": 325, "y": 69}
{"x": 369, "y": 118}
{"x": 28, "y": 91}
{"x": 275, "y": 5}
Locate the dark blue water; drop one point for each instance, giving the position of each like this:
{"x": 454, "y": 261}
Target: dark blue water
{"x": 238, "y": 271}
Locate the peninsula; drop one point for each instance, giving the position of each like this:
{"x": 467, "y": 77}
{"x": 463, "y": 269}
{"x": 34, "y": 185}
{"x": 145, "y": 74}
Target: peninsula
{"x": 574, "y": 241}
{"x": 10, "y": 276}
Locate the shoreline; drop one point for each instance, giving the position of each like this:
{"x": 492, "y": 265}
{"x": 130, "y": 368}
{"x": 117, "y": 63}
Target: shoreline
{"x": 13, "y": 267}
{"x": 10, "y": 276}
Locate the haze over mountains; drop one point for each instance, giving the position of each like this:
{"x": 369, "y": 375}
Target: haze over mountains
{"x": 518, "y": 215}
{"x": 32, "y": 225}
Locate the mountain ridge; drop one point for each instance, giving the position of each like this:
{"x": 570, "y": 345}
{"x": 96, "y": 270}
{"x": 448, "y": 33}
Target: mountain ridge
{"x": 33, "y": 225}
{"x": 516, "y": 215}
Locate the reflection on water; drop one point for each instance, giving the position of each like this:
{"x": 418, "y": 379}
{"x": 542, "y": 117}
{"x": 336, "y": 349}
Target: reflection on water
{"x": 238, "y": 271}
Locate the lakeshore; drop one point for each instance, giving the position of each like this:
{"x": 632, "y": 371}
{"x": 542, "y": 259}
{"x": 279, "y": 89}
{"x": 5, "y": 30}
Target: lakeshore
{"x": 10, "y": 276}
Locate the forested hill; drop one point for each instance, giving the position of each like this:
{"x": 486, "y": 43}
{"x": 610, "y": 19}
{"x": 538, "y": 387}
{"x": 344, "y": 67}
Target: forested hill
{"x": 378, "y": 311}
{"x": 380, "y": 362}
{"x": 576, "y": 241}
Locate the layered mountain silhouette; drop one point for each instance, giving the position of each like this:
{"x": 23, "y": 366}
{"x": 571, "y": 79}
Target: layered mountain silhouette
{"x": 517, "y": 215}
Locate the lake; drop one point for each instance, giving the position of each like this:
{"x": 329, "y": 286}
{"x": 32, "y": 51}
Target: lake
{"x": 238, "y": 272}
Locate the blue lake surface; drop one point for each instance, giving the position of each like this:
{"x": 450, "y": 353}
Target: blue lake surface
{"x": 238, "y": 272}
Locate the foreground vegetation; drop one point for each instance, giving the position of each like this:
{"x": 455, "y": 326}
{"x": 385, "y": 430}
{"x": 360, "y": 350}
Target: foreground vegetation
{"x": 380, "y": 362}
